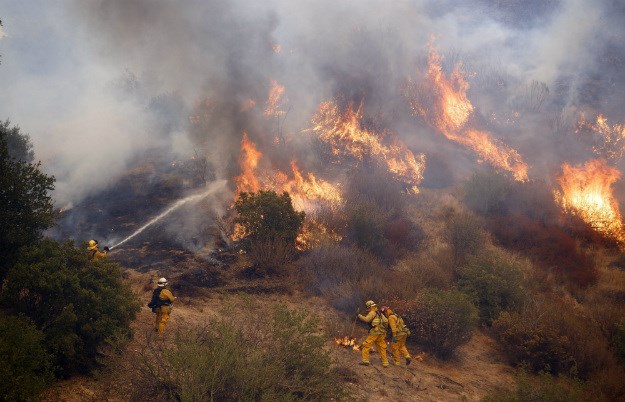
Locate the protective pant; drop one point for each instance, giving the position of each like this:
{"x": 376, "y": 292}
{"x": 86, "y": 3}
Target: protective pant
{"x": 162, "y": 315}
{"x": 399, "y": 347}
{"x": 380, "y": 345}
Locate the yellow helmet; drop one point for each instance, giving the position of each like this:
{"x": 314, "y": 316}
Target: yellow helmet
{"x": 92, "y": 243}
{"x": 370, "y": 303}
{"x": 162, "y": 282}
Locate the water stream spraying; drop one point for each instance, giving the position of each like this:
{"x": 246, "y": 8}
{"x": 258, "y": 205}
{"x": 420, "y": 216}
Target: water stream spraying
{"x": 194, "y": 197}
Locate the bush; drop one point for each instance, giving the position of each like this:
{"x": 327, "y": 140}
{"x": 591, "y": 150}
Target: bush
{"x": 440, "y": 321}
{"x": 25, "y": 368}
{"x": 494, "y": 281}
{"x": 485, "y": 192}
{"x": 284, "y": 360}
{"x": 465, "y": 235}
{"x": 544, "y": 388}
{"x": 267, "y": 216}
{"x": 270, "y": 226}
{"x": 554, "y": 338}
{"x": 78, "y": 303}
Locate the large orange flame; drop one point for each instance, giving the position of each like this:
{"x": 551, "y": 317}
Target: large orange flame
{"x": 442, "y": 102}
{"x": 344, "y": 133}
{"x": 248, "y": 160}
{"x": 610, "y": 139}
{"x": 587, "y": 192}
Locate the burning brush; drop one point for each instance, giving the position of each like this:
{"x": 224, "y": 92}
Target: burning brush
{"x": 347, "y": 341}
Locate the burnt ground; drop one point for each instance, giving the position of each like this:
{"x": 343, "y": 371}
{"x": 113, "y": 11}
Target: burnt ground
{"x": 206, "y": 286}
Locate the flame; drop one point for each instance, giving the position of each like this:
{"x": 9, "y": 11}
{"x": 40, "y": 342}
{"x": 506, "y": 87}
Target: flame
{"x": 307, "y": 192}
{"x": 250, "y": 155}
{"x": 273, "y": 100}
{"x": 343, "y": 131}
{"x": 314, "y": 233}
{"x": 451, "y": 112}
{"x": 587, "y": 193}
{"x": 610, "y": 138}
{"x": 347, "y": 341}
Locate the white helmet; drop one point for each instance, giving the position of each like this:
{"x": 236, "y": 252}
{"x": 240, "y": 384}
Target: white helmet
{"x": 162, "y": 282}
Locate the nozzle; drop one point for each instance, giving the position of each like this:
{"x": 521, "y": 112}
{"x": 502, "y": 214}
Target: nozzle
{"x": 106, "y": 248}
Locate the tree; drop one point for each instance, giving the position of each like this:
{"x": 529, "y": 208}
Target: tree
{"x": 270, "y": 225}
{"x": 268, "y": 216}
{"x": 25, "y": 203}
{"x": 76, "y": 302}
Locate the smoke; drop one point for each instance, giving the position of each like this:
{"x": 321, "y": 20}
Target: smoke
{"x": 98, "y": 83}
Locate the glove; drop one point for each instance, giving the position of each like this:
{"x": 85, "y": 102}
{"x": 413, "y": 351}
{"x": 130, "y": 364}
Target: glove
{"x": 394, "y": 339}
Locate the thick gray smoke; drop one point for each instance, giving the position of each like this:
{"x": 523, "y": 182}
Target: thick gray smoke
{"x": 98, "y": 83}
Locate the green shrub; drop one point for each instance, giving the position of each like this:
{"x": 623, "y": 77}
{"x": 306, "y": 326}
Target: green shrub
{"x": 544, "y": 388}
{"x": 267, "y": 216}
{"x": 555, "y": 337}
{"x": 25, "y": 368}
{"x": 494, "y": 281}
{"x": 365, "y": 227}
{"x": 440, "y": 321}
{"x": 283, "y": 359}
{"x": 78, "y": 303}
{"x": 485, "y": 192}
{"x": 270, "y": 226}
{"x": 25, "y": 202}
{"x": 465, "y": 235}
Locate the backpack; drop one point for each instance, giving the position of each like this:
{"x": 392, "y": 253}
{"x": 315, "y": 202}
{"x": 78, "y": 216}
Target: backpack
{"x": 382, "y": 321}
{"x": 401, "y": 325}
{"x": 155, "y": 303}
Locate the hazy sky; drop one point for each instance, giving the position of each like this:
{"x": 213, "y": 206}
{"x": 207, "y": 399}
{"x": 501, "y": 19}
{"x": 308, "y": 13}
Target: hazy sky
{"x": 96, "y": 82}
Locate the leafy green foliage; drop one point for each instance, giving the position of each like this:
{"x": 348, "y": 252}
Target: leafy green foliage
{"x": 267, "y": 216}
{"x": 485, "y": 192}
{"x": 494, "y": 281}
{"x": 25, "y": 203}
{"x": 25, "y": 368}
{"x": 465, "y": 235}
{"x": 284, "y": 359}
{"x": 440, "y": 321}
{"x": 77, "y": 303}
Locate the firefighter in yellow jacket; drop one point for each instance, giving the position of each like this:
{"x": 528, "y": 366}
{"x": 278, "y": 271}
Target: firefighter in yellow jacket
{"x": 162, "y": 303}
{"x": 93, "y": 252}
{"x": 399, "y": 332}
{"x": 377, "y": 334}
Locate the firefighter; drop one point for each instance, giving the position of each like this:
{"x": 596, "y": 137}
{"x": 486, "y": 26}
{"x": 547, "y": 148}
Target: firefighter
{"x": 161, "y": 304}
{"x": 93, "y": 252}
{"x": 377, "y": 334}
{"x": 399, "y": 332}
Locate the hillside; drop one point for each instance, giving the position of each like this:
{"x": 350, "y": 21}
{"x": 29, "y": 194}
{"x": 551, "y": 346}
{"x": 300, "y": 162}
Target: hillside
{"x": 476, "y": 371}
